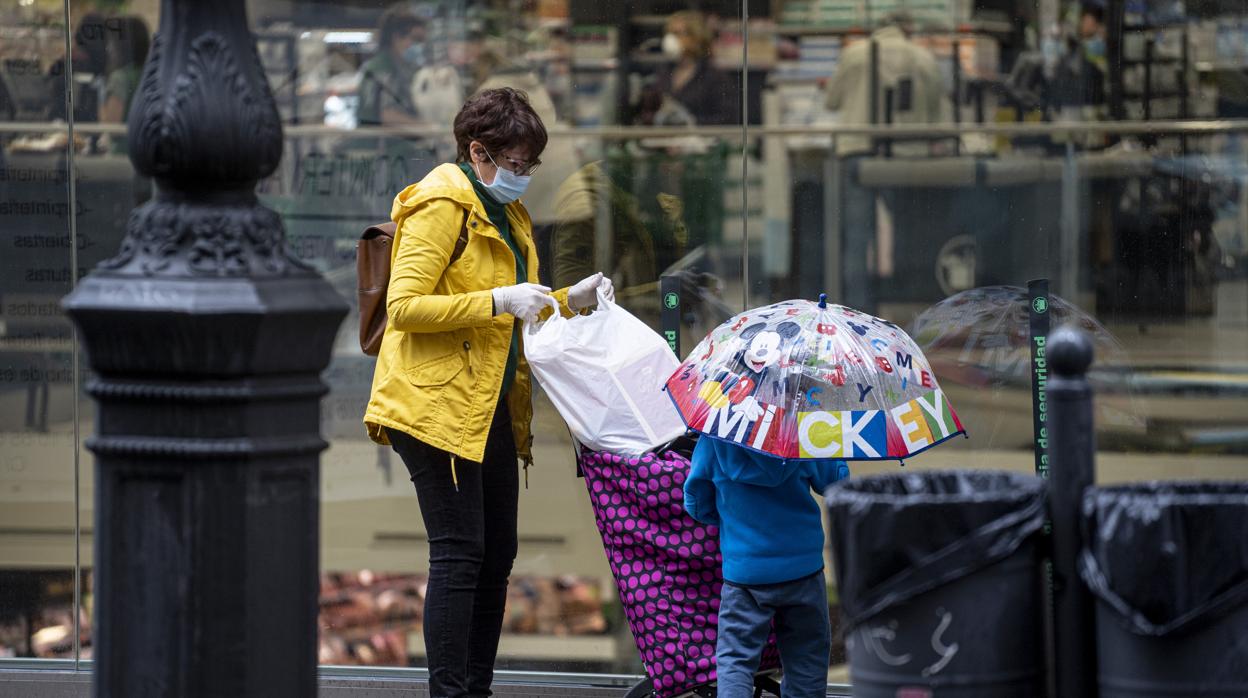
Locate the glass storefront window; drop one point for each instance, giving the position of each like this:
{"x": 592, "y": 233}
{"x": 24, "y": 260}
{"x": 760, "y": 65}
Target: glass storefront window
{"x": 39, "y": 252}
{"x": 904, "y": 164}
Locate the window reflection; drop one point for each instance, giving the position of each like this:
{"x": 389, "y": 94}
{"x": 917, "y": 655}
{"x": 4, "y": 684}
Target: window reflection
{"x": 375, "y": 619}
{"x": 37, "y": 614}
{"x": 37, "y": 249}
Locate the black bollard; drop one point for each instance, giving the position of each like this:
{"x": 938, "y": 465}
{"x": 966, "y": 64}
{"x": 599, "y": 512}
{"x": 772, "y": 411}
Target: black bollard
{"x": 207, "y": 338}
{"x": 1072, "y": 443}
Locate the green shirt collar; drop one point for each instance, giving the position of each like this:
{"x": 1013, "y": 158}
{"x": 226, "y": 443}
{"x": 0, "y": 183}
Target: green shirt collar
{"x": 493, "y": 209}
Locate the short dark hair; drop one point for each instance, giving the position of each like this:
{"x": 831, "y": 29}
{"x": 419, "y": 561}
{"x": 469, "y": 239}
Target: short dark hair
{"x": 395, "y": 22}
{"x": 1094, "y": 10}
{"x": 500, "y": 119}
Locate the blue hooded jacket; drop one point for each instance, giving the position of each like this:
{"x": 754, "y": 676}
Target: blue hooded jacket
{"x": 770, "y": 527}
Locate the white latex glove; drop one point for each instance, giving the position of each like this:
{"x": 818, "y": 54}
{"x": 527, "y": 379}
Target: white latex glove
{"x": 524, "y": 301}
{"x": 584, "y": 293}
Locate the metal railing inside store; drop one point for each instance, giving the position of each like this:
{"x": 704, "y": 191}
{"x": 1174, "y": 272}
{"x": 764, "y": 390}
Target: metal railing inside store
{"x": 1190, "y": 127}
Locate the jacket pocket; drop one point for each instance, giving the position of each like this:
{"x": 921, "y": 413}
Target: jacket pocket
{"x": 437, "y": 371}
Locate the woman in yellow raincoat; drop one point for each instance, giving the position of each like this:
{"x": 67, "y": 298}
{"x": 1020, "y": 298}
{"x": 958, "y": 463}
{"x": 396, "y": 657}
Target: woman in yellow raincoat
{"x": 451, "y": 391}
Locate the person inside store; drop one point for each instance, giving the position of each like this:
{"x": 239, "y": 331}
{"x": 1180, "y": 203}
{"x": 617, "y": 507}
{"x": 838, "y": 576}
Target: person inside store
{"x": 385, "y": 90}
{"x": 911, "y": 75}
{"x": 451, "y": 392}
{"x": 692, "y": 90}
{"x": 88, "y": 58}
{"x": 906, "y": 70}
{"x": 1092, "y": 32}
{"x": 127, "y": 51}
{"x": 1080, "y": 77}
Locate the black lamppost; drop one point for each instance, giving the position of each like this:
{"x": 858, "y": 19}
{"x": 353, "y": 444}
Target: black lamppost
{"x": 207, "y": 338}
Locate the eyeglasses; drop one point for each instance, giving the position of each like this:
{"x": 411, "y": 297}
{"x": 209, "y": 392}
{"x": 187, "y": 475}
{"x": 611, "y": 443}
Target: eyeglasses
{"x": 517, "y": 167}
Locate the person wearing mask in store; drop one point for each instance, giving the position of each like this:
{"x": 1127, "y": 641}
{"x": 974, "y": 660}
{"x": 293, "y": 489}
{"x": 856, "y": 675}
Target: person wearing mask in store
{"x": 127, "y": 51}
{"x": 1092, "y": 32}
{"x": 1080, "y": 78}
{"x": 911, "y": 74}
{"x": 385, "y": 90}
{"x": 451, "y": 390}
{"x": 693, "y": 89}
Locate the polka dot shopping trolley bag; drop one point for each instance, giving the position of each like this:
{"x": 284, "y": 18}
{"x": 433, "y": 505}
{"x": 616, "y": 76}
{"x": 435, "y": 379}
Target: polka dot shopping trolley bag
{"x": 666, "y": 566}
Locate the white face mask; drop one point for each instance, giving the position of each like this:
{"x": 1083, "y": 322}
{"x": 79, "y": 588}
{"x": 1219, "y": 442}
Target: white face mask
{"x": 507, "y": 185}
{"x": 671, "y": 46}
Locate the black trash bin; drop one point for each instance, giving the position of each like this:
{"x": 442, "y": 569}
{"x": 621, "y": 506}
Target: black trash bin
{"x": 1168, "y": 563}
{"x": 939, "y": 582}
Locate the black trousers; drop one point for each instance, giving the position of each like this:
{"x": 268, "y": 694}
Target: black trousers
{"x": 472, "y": 544}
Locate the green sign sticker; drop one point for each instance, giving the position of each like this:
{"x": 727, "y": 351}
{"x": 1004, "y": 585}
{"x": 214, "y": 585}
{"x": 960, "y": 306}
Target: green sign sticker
{"x": 1040, "y": 305}
{"x": 671, "y": 300}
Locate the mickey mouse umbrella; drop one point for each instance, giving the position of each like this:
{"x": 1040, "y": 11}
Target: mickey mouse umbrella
{"x": 800, "y": 379}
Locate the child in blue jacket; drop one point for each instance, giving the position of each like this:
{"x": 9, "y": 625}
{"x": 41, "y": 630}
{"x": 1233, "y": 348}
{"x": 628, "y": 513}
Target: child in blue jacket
{"x": 771, "y": 539}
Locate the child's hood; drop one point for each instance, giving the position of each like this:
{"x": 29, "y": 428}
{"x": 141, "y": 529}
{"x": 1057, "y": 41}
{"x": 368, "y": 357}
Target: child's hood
{"x": 743, "y": 465}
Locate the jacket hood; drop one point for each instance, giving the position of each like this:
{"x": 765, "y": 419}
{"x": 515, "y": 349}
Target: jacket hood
{"x": 751, "y": 467}
{"x": 446, "y": 181}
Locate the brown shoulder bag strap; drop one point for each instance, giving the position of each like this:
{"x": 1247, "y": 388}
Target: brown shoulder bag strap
{"x": 461, "y": 243}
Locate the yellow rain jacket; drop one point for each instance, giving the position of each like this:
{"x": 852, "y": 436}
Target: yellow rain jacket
{"x": 440, "y": 369}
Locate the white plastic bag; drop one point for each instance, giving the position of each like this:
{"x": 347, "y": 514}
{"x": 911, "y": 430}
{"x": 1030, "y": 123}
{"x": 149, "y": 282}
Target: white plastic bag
{"x": 605, "y": 373}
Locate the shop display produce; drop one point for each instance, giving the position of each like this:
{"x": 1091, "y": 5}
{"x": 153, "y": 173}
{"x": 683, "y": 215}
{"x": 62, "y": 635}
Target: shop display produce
{"x": 366, "y": 618}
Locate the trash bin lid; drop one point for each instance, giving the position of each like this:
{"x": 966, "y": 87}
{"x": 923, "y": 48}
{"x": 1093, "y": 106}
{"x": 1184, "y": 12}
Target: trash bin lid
{"x": 896, "y": 536}
{"x": 1164, "y": 555}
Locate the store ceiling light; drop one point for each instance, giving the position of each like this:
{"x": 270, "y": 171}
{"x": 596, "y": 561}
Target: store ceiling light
{"x": 348, "y": 37}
